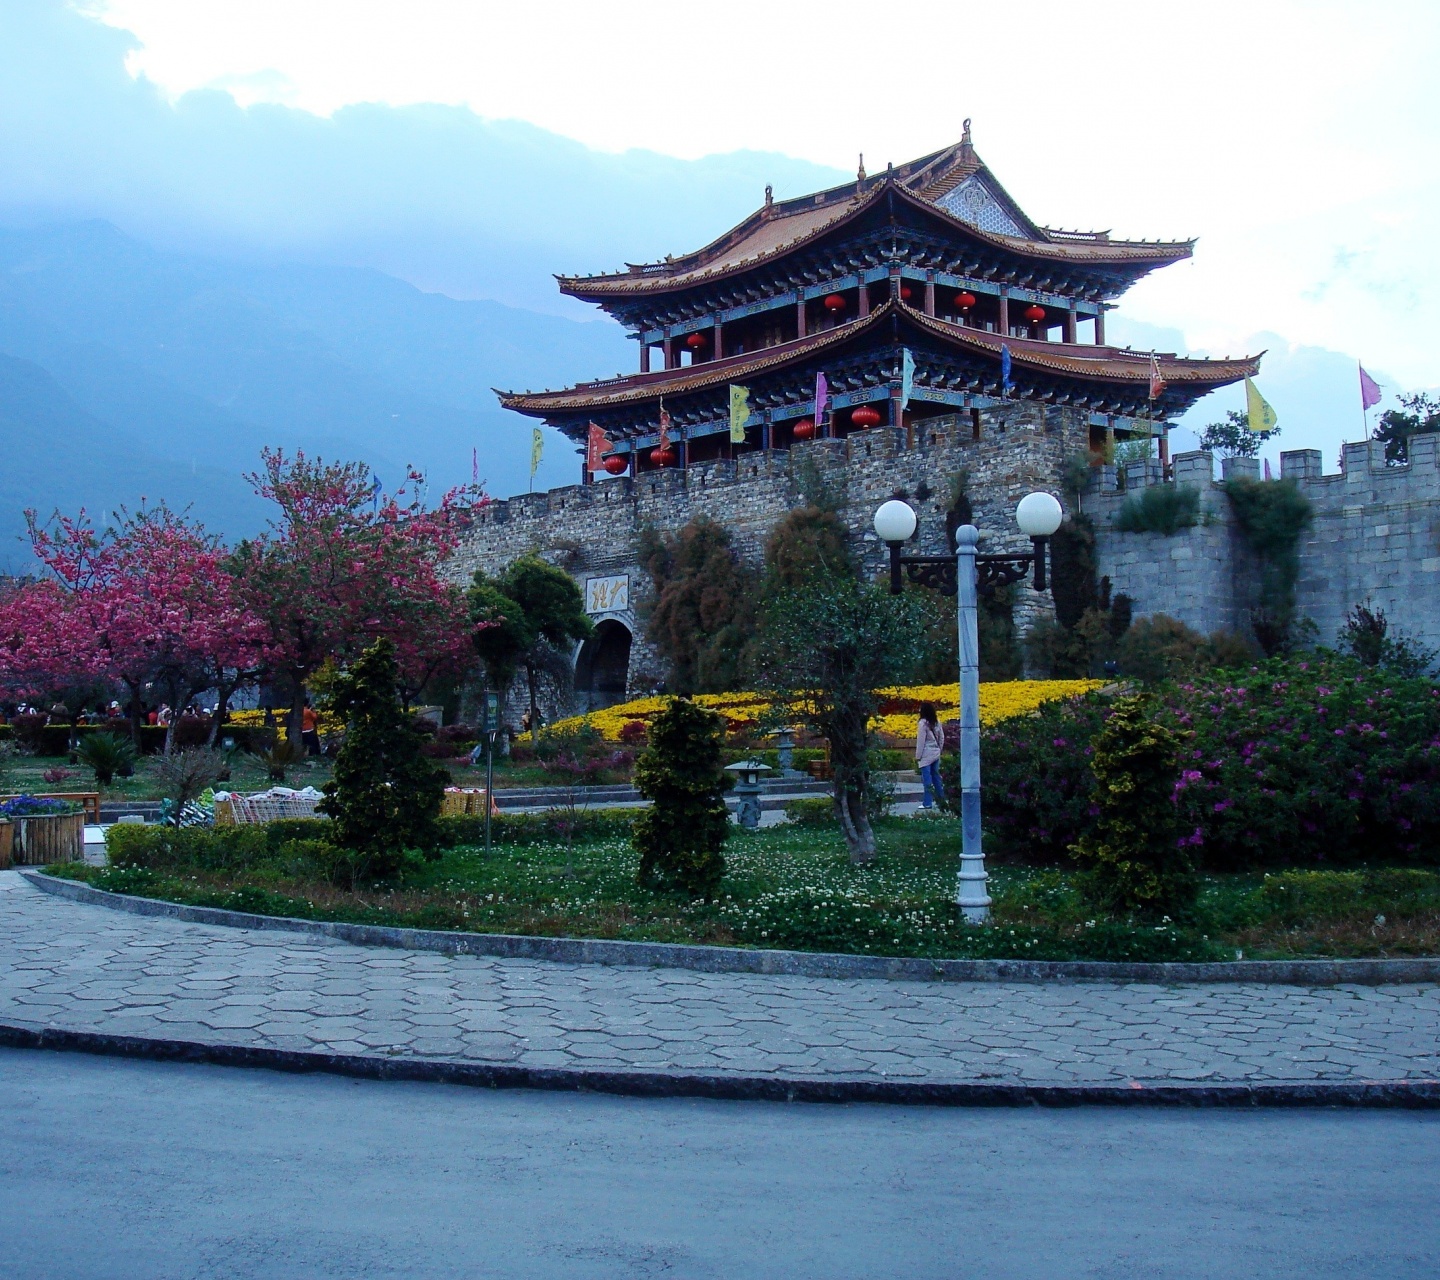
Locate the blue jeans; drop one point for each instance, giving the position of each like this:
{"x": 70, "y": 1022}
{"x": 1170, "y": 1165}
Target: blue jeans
{"x": 934, "y": 788}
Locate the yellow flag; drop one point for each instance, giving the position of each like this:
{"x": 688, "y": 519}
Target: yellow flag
{"x": 739, "y": 412}
{"x": 537, "y": 447}
{"x": 1260, "y": 417}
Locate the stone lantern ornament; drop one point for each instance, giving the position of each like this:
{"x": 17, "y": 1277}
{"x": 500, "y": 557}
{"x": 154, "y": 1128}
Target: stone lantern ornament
{"x": 747, "y": 790}
{"x": 967, "y": 575}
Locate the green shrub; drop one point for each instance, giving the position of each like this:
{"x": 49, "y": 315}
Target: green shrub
{"x": 537, "y": 828}
{"x": 1136, "y": 865}
{"x": 1160, "y": 508}
{"x": 174, "y": 849}
{"x": 1305, "y": 897}
{"x": 384, "y": 796}
{"x": 280, "y": 830}
{"x": 1163, "y": 648}
{"x": 817, "y": 811}
{"x": 681, "y": 773}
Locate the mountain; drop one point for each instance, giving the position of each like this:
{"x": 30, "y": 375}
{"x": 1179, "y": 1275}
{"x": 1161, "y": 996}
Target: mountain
{"x": 193, "y": 363}
{"x": 58, "y": 455}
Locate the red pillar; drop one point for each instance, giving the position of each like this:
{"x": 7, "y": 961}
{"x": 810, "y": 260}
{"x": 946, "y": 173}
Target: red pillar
{"x": 1070, "y": 324}
{"x": 719, "y": 340}
{"x": 800, "y": 330}
{"x": 669, "y": 349}
{"x": 644, "y": 357}
{"x": 929, "y": 293}
{"x": 1004, "y": 325}
{"x": 1100, "y": 326}
{"x": 864, "y": 298}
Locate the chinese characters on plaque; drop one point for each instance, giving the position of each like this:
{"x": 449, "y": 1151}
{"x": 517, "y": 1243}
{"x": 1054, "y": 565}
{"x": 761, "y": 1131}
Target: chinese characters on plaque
{"x": 607, "y": 595}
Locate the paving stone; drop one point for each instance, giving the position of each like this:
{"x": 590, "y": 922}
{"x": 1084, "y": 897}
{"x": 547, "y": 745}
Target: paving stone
{"x": 70, "y": 965}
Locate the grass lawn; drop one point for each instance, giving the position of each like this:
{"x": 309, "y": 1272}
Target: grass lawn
{"x": 792, "y": 887}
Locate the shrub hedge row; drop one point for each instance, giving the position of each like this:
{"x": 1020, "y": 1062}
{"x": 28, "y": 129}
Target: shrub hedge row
{"x": 1287, "y": 764}
{"x": 54, "y": 739}
{"x": 293, "y": 843}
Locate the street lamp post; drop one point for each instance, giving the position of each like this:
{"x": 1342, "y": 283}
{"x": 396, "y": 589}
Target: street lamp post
{"x": 967, "y": 576}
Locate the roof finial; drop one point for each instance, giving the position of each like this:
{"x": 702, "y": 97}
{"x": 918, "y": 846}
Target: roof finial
{"x": 965, "y": 134}
{"x": 860, "y": 173}
{"x": 769, "y": 195}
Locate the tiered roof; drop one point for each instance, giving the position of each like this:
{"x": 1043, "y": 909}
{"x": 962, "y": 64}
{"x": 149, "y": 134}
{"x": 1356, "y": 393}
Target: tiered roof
{"x": 1122, "y": 368}
{"x": 953, "y": 185}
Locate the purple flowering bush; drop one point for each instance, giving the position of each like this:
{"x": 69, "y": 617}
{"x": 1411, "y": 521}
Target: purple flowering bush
{"x": 1292, "y": 763}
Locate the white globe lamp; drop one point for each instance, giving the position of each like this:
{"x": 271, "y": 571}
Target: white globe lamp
{"x": 895, "y": 521}
{"x": 1039, "y": 515}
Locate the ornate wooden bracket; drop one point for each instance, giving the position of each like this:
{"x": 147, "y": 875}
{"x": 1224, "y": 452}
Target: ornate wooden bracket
{"x": 991, "y": 572}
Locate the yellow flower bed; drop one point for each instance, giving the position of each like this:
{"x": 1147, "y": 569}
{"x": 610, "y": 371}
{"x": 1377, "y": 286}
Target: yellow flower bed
{"x": 329, "y": 722}
{"x": 898, "y": 718}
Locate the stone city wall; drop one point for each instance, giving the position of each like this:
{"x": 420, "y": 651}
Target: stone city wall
{"x": 1375, "y": 536}
{"x": 593, "y": 530}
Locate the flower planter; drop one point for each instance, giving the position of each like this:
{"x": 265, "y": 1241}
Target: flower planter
{"x": 7, "y": 844}
{"x": 55, "y": 837}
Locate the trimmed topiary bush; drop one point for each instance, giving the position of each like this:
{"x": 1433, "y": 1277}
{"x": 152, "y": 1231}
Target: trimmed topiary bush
{"x": 681, "y": 772}
{"x": 1136, "y": 864}
{"x": 385, "y": 796}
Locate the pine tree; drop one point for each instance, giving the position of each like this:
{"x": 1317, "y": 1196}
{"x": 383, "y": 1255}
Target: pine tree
{"x": 681, "y": 773}
{"x": 385, "y": 796}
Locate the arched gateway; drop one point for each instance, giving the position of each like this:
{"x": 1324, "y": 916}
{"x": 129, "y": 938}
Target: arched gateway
{"x": 602, "y": 666}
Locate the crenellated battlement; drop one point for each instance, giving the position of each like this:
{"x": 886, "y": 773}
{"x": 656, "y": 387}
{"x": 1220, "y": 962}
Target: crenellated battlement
{"x": 1375, "y": 534}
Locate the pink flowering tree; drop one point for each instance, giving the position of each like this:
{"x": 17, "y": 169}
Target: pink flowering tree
{"x": 343, "y": 565}
{"x": 149, "y": 601}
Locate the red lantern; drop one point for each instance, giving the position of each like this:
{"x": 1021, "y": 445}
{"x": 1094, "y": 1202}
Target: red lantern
{"x": 695, "y": 341}
{"x": 834, "y": 302}
{"x": 964, "y": 301}
{"x": 616, "y": 465}
{"x": 1034, "y": 313}
{"x": 804, "y": 429}
{"x": 663, "y": 457}
{"x": 865, "y": 416}
{"x": 905, "y": 293}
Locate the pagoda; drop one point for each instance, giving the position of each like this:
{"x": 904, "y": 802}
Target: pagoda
{"x": 920, "y": 292}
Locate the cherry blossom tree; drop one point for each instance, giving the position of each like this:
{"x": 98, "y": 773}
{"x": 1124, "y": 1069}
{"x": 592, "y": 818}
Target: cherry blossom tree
{"x": 343, "y": 565}
{"x": 148, "y": 601}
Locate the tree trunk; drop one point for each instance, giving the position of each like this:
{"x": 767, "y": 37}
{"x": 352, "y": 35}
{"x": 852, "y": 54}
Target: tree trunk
{"x": 855, "y": 824}
{"x": 222, "y": 709}
{"x": 295, "y": 719}
{"x": 136, "y": 714}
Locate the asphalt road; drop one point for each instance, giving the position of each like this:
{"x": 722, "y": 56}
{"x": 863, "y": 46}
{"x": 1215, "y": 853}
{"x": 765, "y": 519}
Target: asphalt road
{"x": 141, "y": 1170}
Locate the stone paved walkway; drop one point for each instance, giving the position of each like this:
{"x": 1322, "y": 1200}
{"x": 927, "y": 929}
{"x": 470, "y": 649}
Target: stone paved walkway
{"x": 88, "y": 968}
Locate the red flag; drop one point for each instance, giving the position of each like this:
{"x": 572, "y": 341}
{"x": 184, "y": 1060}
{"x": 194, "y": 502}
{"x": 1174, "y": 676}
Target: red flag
{"x": 664, "y": 429}
{"x": 1157, "y": 383}
{"x": 1369, "y": 390}
{"x": 597, "y": 445}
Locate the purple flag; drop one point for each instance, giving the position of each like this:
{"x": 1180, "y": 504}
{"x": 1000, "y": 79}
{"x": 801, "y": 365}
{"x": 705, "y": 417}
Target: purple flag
{"x": 822, "y": 394}
{"x": 1369, "y": 390}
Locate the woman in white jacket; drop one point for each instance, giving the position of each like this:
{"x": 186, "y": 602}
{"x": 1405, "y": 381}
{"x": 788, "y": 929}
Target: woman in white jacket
{"x": 929, "y": 742}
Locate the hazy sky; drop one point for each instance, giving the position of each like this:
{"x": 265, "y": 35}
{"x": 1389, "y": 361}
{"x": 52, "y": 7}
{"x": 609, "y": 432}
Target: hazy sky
{"x": 1300, "y": 141}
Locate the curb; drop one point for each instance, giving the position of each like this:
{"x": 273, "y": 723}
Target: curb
{"x": 1387, "y": 1094}
{"x": 801, "y": 964}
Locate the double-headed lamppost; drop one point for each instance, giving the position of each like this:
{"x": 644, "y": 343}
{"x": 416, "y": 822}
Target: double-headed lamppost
{"x": 967, "y": 576}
